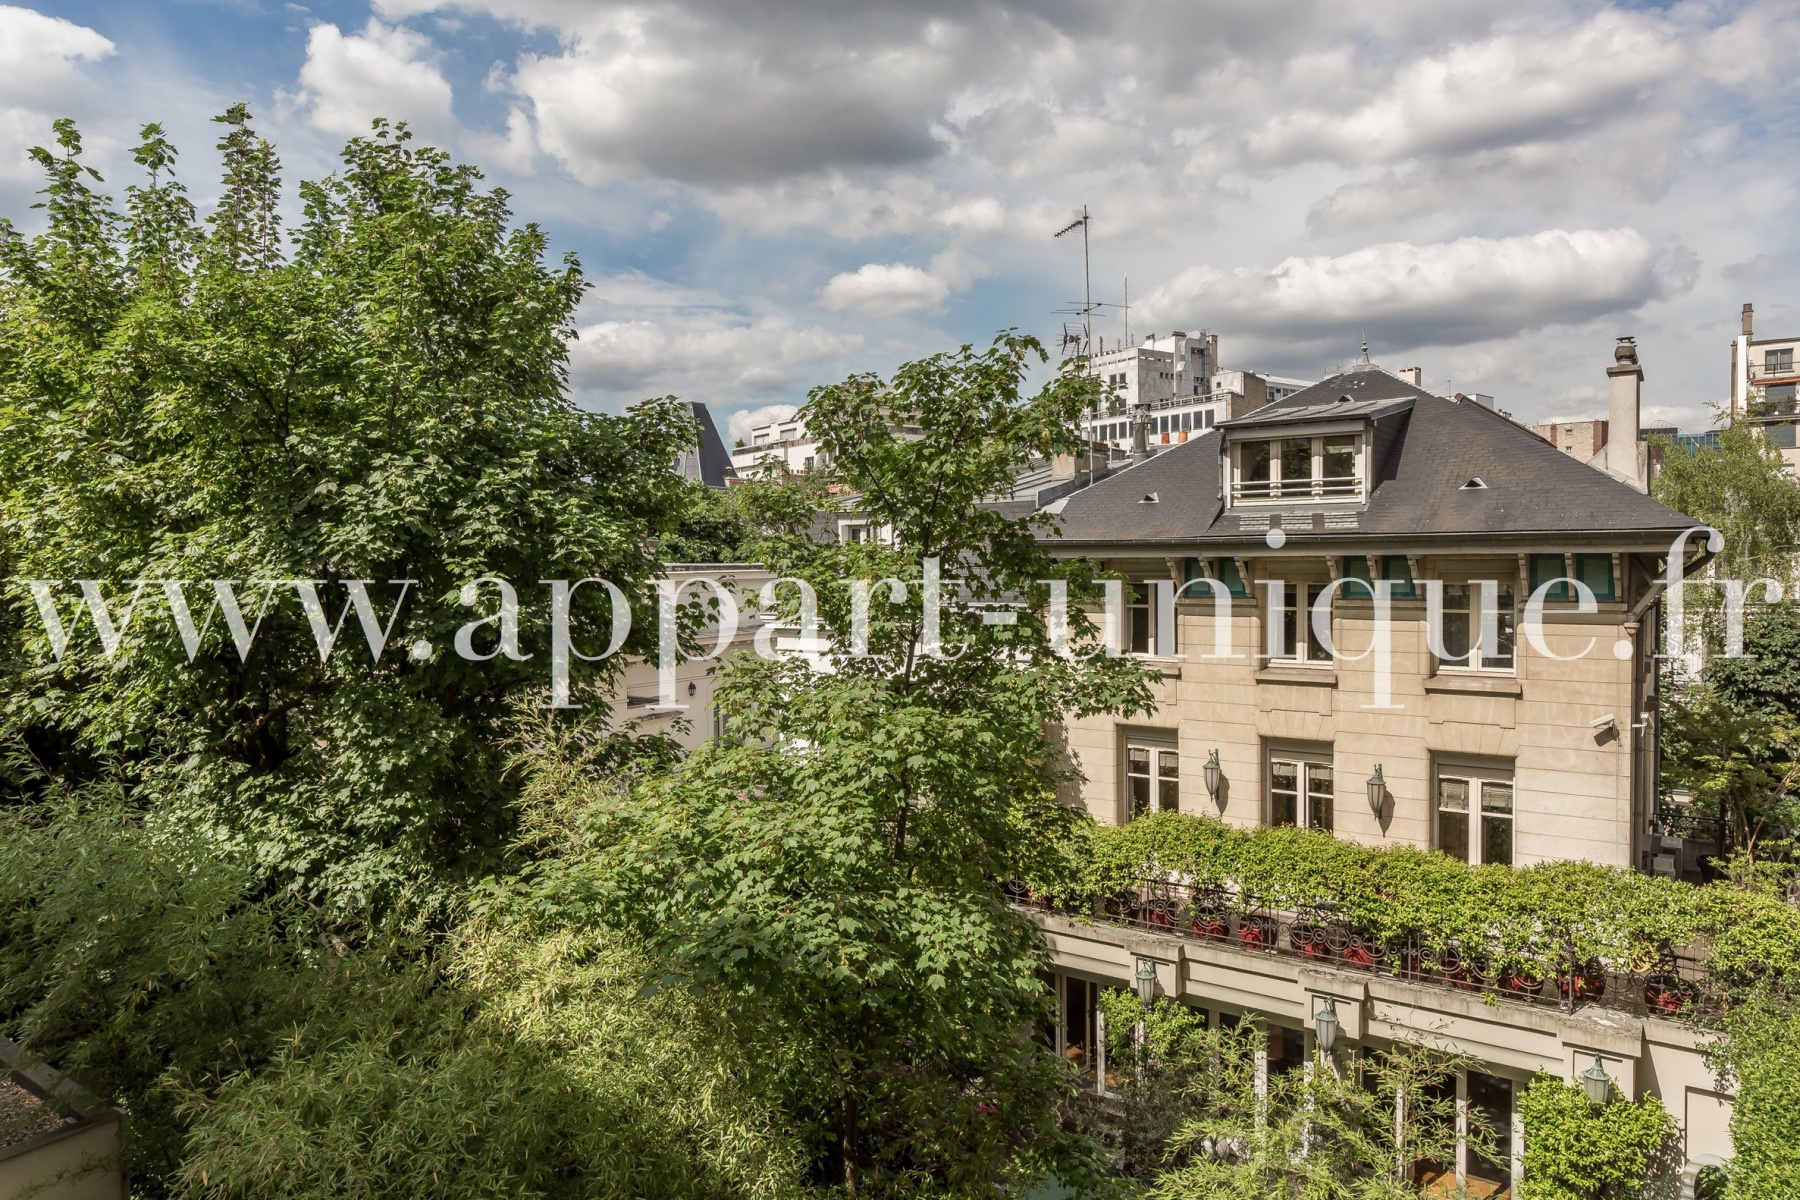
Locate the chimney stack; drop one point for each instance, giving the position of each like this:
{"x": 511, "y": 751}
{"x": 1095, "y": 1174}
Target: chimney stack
{"x": 1413, "y": 375}
{"x": 1625, "y": 380}
{"x": 1748, "y": 313}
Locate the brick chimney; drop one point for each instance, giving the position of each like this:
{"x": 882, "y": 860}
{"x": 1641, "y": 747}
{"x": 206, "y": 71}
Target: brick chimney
{"x": 1625, "y": 380}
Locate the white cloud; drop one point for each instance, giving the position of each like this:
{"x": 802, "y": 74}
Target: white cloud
{"x": 709, "y": 357}
{"x": 385, "y": 71}
{"x": 883, "y": 289}
{"x": 1505, "y": 90}
{"x": 40, "y": 70}
{"x": 740, "y": 423}
{"x": 1405, "y": 295}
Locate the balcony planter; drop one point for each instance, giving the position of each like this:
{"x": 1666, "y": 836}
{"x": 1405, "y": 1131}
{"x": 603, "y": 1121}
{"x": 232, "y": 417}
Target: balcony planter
{"x": 1589, "y": 983}
{"x": 1159, "y": 911}
{"x": 1210, "y": 925}
{"x": 1667, "y": 995}
{"x": 1522, "y": 980}
{"x": 1309, "y": 942}
{"x": 1257, "y": 933}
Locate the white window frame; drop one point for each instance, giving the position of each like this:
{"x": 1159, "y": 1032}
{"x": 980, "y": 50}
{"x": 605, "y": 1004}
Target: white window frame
{"x": 1161, "y": 773}
{"x": 1155, "y": 600}
{"x": 1306, "y": 791}
{"x": 1482, "y": 782}
{"x": 1473, "y": 663}
{"x": 1276, "y": 490}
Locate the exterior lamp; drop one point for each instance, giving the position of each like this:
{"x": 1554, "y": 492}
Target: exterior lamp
{"x": 1325, "y": 1025}
{"x": 1144, "y": 975}
{"x": 1211, "y": 773}
{"x": 1377, "y": 791}
{"x": 1596, "y": 1081}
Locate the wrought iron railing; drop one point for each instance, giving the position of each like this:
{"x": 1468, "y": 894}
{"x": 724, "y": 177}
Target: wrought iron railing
{"x": 1674, "y": 985}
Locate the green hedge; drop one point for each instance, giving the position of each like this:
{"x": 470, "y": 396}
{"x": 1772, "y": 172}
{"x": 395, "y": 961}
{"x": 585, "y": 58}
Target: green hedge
{"x": 1516, "y": 915}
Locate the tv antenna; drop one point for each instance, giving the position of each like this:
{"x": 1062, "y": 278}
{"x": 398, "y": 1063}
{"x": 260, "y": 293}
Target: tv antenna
{"x": 1082, "y": 220}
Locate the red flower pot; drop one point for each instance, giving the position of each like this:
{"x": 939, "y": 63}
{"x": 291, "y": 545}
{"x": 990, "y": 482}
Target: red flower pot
{"x": 1360, "y": 957}
{"x": 1210, "y": 926}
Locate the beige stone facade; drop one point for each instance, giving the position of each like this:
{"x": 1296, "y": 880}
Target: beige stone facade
{"x": 1576, "y": 738}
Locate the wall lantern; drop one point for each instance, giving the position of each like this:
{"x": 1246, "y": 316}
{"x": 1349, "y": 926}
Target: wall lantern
{"x": 1213, "y": 776}
{"x": 1596, "y": 1081}
{"x": 1377, "y": 791}
{"x": 1144, "y": 975}
{"x": 1325, "y": 1025}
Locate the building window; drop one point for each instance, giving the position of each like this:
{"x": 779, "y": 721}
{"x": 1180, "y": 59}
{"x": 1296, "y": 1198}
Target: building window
{"x": 1299, "y": 640}
{"x": 1299, "y": 468}
{"x": 1462, "y": 628}
{"x": 1152, "y": 776}
{"x": 1544, "y": 568}
{"x": 1778, "y": 362}
{"x": 1209, "y": 418}
{"x": 1300, "y": 792}
{"x": 1596, "y": 571}
{"x": 1475, "y": 815}
{"x": 854, "y": 533}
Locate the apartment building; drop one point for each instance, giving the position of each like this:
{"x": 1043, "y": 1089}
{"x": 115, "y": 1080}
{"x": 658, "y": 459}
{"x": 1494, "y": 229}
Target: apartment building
{"x": 1764, "y": 377}
{"x": 1175, "y": 386}
{"x": 785, "y": 447}
{"x": 1249, "y": 550}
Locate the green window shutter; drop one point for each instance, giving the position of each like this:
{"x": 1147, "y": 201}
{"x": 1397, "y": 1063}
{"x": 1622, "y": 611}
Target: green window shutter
{"x": 1356, "y": 566}
{"x": 1229, "y": 576}
{"x": 1544, "y": 568}
{"x": 1396, "y": 570}
{"x": 1595, "y": 570}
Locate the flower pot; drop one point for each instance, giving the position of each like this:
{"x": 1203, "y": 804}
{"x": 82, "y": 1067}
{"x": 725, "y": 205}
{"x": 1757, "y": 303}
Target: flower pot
{"x": 1588, "y": 985}
{"x": 1309, "y": 942}
{"x": 1522, "y": 983}
{"x": 1210, "y": 926}
{"x": 1359, "y": 956}
{"x": 1255, "y": 934}
{"x": 1667, "y": 996}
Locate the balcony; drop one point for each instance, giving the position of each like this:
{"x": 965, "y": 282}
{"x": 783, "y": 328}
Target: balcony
{"x": 1675, "y": 985}
{"x": 1269, "y": 491}
{"x": 1779, "y": 369}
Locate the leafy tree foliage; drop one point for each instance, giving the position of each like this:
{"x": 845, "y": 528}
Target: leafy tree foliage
{"x": 1760, "y": 1056}
{"x": 1577, "y": 1150}
{"x": 1743, "y": 490}
{"x": 1193, "y": 1122}
{"x": 187, "y": 400}
{"x": 840, "y": 855}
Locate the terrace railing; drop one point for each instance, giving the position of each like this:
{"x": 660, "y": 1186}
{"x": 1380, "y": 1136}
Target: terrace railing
{"x": 1675, "y": 985}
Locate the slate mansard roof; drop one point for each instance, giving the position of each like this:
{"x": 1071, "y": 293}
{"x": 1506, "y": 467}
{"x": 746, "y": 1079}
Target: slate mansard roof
{"x": 1425, "y": 450}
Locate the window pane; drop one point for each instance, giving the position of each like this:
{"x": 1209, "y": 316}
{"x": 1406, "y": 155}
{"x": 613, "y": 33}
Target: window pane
{"x": 1496, "y": 797}
{"x": 1284, "y": 793}
{"x": 1453, "y": 834}
{"x": 1296, "y": 459}
{"x": 1256, "y": 460}
{"x": 1496, "y": 840}
{"x": 1140, "y": 795}
{"x": 1491, "y": 1098}
{"x": 1168, "y": 764}
{"x": 1315, "y": 649}
{"x": 1319, "y": 804}
{"x": 1503, "y": 656}
{"x": 1340, "y": 460}
{"x": 1453, "y": 794}
{"x": 1456, "y": 623}
{"x": 1290, "y": 622}
{"x": 1137, "y": 760}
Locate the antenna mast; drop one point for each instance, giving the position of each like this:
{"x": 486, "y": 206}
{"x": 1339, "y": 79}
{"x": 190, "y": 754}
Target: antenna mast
{"x": 1082, "y": 220}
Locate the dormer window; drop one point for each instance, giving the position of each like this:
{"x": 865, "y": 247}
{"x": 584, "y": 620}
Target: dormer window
{"x": 1319, "y": 467}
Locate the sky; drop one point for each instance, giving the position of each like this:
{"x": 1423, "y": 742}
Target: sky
{"x": 771, "y": 196}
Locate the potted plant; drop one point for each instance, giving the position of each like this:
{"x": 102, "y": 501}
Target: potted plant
{"x": 1588, "y": 982}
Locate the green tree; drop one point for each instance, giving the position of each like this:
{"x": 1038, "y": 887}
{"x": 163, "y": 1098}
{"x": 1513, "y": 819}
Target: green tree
{"x": 1578, "y": 1150}
{"x": 1760, "y": 1058}
{"x": 1193, "y": 1122}
{"x": 1743, "y": 490}
{"x": 841, "y": 855}
{"x": 184, "y": 400}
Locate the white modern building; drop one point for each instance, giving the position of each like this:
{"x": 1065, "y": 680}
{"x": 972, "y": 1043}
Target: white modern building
{"x": 1175, "y": 383}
